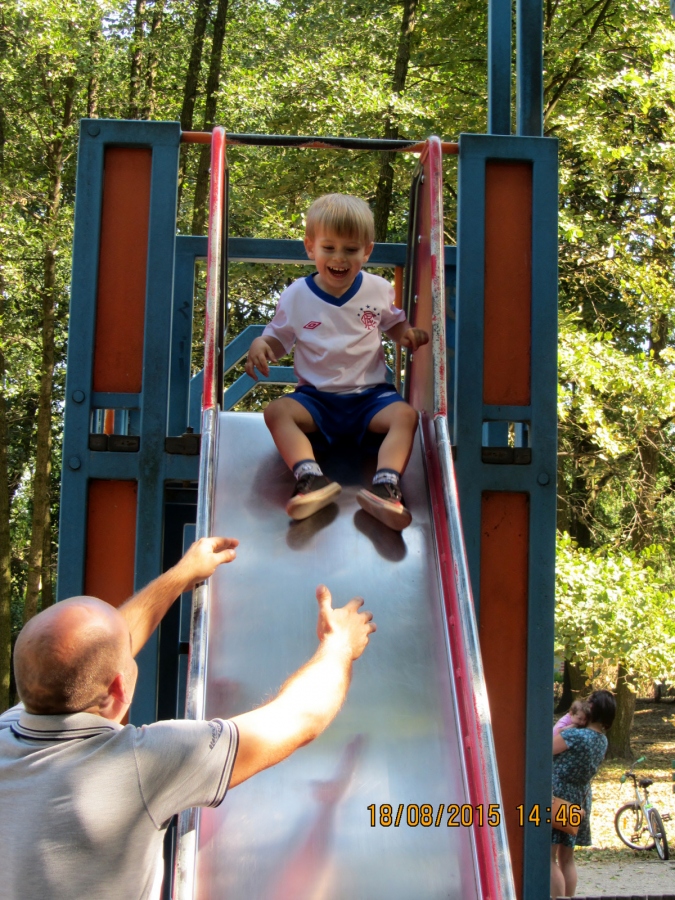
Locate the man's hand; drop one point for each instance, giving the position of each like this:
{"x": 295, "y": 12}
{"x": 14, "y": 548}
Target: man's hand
{"x": 414, "y": 338}
{"x": 203, "y": 558}
{"x": 259, "y": 357}
{"x": 311, "y": 698}
{"x": 345, "y": 625}
{"x": 145, "y": 610}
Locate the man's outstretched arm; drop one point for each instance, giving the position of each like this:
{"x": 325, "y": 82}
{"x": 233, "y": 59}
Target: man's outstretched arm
{"x": 309, "y": 701}
{"x": 146, "y": 609}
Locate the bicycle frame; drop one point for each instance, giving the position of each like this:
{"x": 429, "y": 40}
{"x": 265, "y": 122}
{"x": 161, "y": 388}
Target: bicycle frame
{"x": 642, "y": 802}
{"x": 647, "y": 820}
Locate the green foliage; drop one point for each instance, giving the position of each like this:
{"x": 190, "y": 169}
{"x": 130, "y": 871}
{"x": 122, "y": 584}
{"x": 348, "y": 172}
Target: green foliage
{"x": 616, "y": 122}
{"x": 615, "y": 606}
{"x": 615, "y": 396}
{"x": 325, "y": 67}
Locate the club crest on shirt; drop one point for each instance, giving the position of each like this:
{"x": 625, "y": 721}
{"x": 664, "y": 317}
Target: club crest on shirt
{"x": 312, "y": 325}
{"x": 369, "y": 317}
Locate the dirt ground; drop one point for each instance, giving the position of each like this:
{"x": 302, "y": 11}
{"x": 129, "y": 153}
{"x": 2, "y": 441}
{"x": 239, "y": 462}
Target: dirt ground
{"x": 626, "y": 877}
{"x": 609, "y": 868}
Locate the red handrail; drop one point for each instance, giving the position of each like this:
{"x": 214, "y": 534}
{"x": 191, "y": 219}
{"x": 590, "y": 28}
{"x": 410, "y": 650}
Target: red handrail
{"x": 214, "y": 262}
{"x": 467, "y": 670}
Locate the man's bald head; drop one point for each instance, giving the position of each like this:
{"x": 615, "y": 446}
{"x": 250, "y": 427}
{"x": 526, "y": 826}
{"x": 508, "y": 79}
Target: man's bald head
{"x": 67, "y": 656}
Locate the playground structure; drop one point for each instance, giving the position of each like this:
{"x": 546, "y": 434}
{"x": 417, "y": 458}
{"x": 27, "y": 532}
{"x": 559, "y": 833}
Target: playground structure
{"x": 129, "y": 503}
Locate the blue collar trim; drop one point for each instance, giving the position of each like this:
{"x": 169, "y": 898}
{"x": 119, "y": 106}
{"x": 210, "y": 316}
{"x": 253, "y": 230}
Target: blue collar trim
{"x": 329, "y": 298}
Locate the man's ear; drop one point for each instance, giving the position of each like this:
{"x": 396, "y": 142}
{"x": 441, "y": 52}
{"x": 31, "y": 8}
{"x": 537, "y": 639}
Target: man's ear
{"x": 368, "y": 251}
{"x": 118, "y": 689}
{"x": 309, "y": 247}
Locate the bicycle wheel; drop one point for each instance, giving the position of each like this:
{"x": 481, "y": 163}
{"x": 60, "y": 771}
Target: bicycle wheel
{"x": 632, "y": 828}
{"x": 659, "y": 833}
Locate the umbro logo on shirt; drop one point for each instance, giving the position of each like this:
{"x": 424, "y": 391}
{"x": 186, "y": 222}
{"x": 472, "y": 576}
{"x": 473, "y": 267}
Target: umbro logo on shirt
{"x": 312, "y": 325}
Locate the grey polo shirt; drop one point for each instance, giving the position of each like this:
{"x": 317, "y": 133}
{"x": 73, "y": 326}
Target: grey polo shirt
{"x": 84, "y": 802}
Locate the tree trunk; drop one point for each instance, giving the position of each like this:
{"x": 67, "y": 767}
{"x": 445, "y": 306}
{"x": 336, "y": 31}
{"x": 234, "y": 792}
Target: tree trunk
{"x": 659, "y": 689}
{"x": 47, "y": 576}
{"x": 5, "y": 547}
{"x": 201, "y": 190}
{"x": 649, "y": 452}
{"x": 191, "y": 83}
{"x": 619, "y": 734}
{"x": 43, "y": 452}
{"x": 212, "y": 85}
{"x": 153, "y": 60}
{"x": 134, "y": 110}
{"x": 93, "y": 82}
{"x": 574, "y": 685}
{"x": 385, "y": 182}
{"x": 563, "y": 519}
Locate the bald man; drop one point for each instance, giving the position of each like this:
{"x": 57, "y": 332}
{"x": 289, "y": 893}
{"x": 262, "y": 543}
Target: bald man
{"x": 84, "y": 800}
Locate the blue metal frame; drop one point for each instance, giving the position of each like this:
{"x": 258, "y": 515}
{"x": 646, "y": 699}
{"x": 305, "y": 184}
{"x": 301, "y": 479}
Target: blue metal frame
{"x": 181, "y": 335}
{"x": 499, "y": 66}
{"x": 529, "y": 68}
{"x": 537, "y": 479}
{"x": 150, "y": 466}
{"x": 165, "y": 404}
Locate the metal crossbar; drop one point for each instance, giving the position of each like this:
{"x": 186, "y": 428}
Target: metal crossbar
{"x": 314, "y": 142}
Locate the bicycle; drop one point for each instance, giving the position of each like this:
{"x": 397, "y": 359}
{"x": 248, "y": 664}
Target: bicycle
{"x": 639, "y": 824}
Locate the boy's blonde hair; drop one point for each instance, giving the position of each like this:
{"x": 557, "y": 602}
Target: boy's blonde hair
{"x": 347, "y": 216}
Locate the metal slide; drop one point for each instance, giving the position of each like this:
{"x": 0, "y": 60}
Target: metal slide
{"x": 399, "y": 799}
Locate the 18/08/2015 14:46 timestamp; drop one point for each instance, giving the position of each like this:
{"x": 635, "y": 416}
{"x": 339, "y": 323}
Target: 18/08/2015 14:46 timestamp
{"x": 453, "y": 815}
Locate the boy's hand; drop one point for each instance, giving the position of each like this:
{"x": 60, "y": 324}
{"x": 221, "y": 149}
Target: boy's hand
{"x": 345, "y": 626}
{"x": 259, "y": 357}
{"x": 414, "y": 338}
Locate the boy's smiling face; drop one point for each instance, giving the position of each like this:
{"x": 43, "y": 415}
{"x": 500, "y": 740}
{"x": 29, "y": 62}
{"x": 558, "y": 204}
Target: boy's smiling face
{"x": 338, "y": 259}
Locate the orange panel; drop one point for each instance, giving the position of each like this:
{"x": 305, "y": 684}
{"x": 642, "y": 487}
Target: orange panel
{"x": 507, "y": 342}
{"x": 120, "y": 309}
{"x": 503, "y": 640}
{"x": 111, "y": 540}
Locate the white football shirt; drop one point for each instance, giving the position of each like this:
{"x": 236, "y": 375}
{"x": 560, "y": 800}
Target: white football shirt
{"x": 337, "y": 339}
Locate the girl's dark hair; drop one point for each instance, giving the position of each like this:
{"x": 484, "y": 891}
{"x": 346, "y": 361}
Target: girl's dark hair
{"x": 603, "y": 708}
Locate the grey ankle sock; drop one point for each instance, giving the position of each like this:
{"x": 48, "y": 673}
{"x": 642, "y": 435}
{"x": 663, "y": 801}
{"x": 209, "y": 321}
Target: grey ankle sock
{"x": 386, "y": 476}
{"x": 306, "y": 467}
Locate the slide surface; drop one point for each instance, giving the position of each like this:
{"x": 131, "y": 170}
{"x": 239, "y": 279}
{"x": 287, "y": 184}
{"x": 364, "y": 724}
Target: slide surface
{"x": 304, "y": 829}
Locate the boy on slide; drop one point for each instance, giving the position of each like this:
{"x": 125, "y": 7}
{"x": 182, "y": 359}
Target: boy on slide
{"x": 334, "y": 318}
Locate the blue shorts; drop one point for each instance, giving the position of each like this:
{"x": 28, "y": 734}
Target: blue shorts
{"x": 342, "y": 415}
